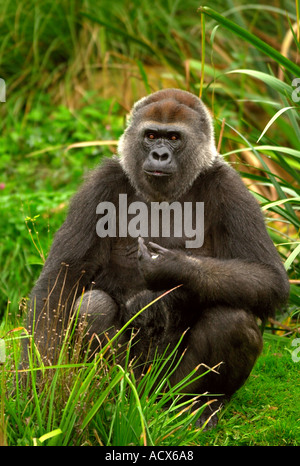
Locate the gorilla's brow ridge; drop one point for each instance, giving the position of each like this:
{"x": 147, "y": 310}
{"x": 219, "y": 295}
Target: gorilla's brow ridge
{"x": 175, "y": 124}
{"x": 169, "y": 110}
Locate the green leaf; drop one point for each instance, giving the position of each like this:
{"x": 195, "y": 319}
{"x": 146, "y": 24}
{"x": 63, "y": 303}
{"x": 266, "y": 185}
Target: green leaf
{"x": 292, "y": 257}
{"x": 34, "y": 260}
{"x": 268, "y": 205}
{"x": 252, "y": 39}
{"x": 144, "y": 76}
{"x": 120, "y": 32}
{"x": 285, "y": 150}
{"x": 269, "y": 80}
{"x": 274, "y": 118}
{"x": 102, "y": 398}
{"x": 2, "y": 351}
{"x": 49, "y": 435}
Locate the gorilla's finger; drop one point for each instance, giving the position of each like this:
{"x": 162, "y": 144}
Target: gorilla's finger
{"x": 157, "y": 248}
{"x": 143, "y": 251}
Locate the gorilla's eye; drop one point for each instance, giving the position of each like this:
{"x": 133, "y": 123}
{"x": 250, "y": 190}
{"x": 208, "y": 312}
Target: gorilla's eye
{"x": 151, "y": 136}
{"x": 173, "y": 137}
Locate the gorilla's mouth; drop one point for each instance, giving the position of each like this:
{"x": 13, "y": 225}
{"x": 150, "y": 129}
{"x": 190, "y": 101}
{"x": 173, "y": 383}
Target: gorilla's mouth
{"x": 157, "y": 173}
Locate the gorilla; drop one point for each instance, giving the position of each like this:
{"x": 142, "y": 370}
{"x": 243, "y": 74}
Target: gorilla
{"x": 107, "y": 264}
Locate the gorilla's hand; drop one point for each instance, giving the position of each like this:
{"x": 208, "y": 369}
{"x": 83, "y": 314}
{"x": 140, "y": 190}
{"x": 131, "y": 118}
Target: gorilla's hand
{"x": 157, "y": 265}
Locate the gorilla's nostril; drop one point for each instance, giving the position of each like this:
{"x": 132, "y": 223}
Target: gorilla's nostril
{"x": 160, "y": 156}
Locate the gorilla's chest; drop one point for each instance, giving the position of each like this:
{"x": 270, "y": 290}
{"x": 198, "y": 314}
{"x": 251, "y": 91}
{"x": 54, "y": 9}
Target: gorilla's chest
{"x": 121, "y": 275}
{"x": 124, "y": 254}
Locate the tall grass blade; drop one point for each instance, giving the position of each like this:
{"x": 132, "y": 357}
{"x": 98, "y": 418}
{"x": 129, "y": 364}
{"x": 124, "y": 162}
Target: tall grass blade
{"x": 102, "y": 397}
{"x": 202, "y": 53}
{"x": 292, "y": 257}
{"x": 273, "y": 119}
{"x": 269, "y": 80}
{"x": 120, "y": 32}
{"x": 253, "y": 40}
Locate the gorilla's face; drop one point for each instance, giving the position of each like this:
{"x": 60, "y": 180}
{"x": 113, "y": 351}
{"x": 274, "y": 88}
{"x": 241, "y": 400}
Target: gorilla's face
{"x": 168, "y": 143}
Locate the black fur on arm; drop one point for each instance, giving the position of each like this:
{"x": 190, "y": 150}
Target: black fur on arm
{"x": 246, "y": 270}
{"x": 77, "y": 253}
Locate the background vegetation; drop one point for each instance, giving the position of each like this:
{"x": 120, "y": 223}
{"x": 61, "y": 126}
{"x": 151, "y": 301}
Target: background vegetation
{"x": 73, "y": 70}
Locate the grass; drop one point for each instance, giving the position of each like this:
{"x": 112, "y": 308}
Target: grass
{"x": 94, "y": 403}
{"x": 73, "y": 70}
{"x": 264, "y": 412}
{"x": 101, "y": 403}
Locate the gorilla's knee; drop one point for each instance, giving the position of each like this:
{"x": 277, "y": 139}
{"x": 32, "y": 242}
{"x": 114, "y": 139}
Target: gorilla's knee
{"x": 94, "y": 303}
{"x": 98, "y": 315}
{"x": 239, "y": 345}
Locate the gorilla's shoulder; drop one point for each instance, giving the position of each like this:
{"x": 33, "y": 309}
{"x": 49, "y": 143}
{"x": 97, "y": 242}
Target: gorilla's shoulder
{"x": 109, "y": 171}
{"x": 102, "y": 183}
{"x": 108, "y": 176}
{"x": 222, "y": 185}
{"x": 220, "y": 173}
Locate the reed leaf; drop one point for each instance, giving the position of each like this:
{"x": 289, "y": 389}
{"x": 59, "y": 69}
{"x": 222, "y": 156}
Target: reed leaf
{"x": 252, "y": 39}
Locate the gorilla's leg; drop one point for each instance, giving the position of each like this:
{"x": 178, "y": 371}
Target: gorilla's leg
{"x": 225, "y": 336}
{"x": 99, "y": 318}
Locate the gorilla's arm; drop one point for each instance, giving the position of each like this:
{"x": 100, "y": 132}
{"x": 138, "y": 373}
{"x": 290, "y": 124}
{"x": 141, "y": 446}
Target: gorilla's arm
{"x": 254, "y": 286}
{"x": 76, "y": 253}
{"x": 244, "y": 270}
{"x": 246, "y": 285}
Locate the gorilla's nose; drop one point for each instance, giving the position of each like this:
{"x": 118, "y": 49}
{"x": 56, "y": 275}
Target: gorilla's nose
{"x": 161, "y": 154}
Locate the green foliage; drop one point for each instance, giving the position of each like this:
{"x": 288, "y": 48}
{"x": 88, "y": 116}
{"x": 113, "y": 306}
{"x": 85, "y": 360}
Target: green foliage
{"x": 101, "y": 403}
{"x": 98, "y": 402}
{"x": 34, "y": 202}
